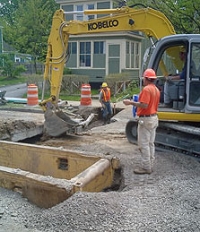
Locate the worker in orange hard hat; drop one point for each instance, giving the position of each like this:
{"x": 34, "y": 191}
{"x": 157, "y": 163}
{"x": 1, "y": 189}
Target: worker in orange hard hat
{"x": 104, "y": 99}
{"x": 147, "y": 106}
{"x": 149, "y": 73}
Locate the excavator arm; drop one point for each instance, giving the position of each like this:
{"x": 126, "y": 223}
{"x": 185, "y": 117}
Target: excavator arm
{"x": 151, "y": 22}
{"x": 55, "y": 59}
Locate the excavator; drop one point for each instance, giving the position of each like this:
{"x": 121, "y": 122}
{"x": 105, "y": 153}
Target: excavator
{"x": 178, "y": 125}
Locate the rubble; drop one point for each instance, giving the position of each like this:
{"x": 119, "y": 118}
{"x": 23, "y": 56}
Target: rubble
{"x": 166, "y": 200}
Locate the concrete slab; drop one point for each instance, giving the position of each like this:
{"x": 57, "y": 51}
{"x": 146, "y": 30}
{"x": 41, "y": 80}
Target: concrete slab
{"x": 17, "y": 126}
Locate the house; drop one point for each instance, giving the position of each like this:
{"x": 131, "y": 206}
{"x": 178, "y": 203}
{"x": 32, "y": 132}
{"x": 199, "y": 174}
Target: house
{"x": 98, "y": 55}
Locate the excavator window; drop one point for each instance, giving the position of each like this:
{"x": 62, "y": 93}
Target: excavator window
{"x": 194, "y": 96}
{"x": 194, "y": 77}
{"x": 195, "y": 61}
{"x": 170, "y": 63}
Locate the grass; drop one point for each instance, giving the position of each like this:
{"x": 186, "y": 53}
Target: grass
{"x": 12, "y": 81}
{"x": 63, "y": 95}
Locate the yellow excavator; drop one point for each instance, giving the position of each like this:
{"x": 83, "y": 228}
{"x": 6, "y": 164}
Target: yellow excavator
{"x": 179, "y": 121}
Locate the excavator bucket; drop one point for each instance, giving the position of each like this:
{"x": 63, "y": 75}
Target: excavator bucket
{"x": 57, "y": 123}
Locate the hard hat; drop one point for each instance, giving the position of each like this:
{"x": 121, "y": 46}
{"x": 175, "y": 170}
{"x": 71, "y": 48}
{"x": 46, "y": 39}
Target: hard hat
{"x": 104, "y": 84}
{"x": 149, "y": 73}
{"x": 182, "y": 49}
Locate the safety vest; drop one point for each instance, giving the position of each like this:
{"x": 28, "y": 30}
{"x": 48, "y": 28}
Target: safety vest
{"x": 106, "y": 94}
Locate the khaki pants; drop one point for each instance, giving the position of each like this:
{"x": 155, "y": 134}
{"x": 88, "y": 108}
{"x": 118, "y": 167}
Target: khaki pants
{"x": 146, "y": 137}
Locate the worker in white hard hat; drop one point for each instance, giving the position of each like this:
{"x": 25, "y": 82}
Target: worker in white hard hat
{"x": 147, "y": 106}
{"x": 104, "y": 99}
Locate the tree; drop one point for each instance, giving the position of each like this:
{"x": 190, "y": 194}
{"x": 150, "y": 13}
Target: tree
{"x": 183, "y": 14}
{"x": 7, "y": 8}
{"x": 30, "y": 28}
{"x": 9, "y": 69}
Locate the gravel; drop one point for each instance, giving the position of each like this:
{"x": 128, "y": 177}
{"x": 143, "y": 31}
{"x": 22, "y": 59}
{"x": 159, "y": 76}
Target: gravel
{"x": 165, "y": 201}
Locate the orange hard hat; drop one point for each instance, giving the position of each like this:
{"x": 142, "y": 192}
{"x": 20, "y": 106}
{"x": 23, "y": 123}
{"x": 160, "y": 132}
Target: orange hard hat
{"x": 149, "y": 73}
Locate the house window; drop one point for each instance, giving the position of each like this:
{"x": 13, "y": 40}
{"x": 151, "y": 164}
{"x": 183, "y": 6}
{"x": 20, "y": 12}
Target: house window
{"x": 99, "y": 47}
{"x": 85, "y": 54}
{"x": 79, "y": 16}
{"x": 90, "y": 7}
{"x": 132, "y": 54}
{"x": 86, "y": 6}
{"x": 68, "y": 8}
{"x": 72, "y": 48}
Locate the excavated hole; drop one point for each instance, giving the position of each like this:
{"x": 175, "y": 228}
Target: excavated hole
{"x": 118, "y": 181}
{"x": 84, "y": 113}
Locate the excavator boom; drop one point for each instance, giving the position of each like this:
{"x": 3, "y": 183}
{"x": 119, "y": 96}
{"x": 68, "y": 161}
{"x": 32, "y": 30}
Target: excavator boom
{"x": 164, "y": 59}
{"x": 145, "y": 20}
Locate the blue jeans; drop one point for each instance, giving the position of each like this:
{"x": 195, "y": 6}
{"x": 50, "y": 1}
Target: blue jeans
{"x": 107, "y": 111}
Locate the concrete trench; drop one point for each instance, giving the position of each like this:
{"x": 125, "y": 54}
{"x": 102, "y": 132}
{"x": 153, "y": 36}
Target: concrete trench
{"x": 23, "y": 166}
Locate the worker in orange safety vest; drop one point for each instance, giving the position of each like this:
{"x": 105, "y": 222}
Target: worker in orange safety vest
{"x": 104, "y": 99}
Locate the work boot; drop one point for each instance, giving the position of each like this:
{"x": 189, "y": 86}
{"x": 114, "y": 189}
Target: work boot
{"x": 108, "y": 121}
{"x": 142, "y": 171}
{"x": 104, "y": 121}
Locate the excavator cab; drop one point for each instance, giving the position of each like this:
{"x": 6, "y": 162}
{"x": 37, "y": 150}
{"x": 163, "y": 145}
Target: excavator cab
{"x": 179, "y": 124}
{"x": 184, "y": 93}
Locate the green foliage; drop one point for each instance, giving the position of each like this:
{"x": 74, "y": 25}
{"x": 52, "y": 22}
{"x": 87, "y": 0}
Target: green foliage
{"x": 121, "y": 84}
{"x": 71, "y": 83}
{"x": 7, "y": 9}
{"x": 118, "y": 76}
{"x": 17, "y": 71}
{"x": 9, "y": 68}
{"x": 27, "y": 25}
{"x": 183, "y": 14}
{"x": 34, "y": 79}
{"x": 132, "y": 88}
{"x": 67, "y": 71}
{"x": 12, "y": 81}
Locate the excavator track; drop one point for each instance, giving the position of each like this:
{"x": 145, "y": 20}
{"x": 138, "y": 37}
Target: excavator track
{"x": 172, "y": 136}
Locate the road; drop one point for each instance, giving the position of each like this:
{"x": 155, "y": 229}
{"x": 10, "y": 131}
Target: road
{"x": 17, "y": 91}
